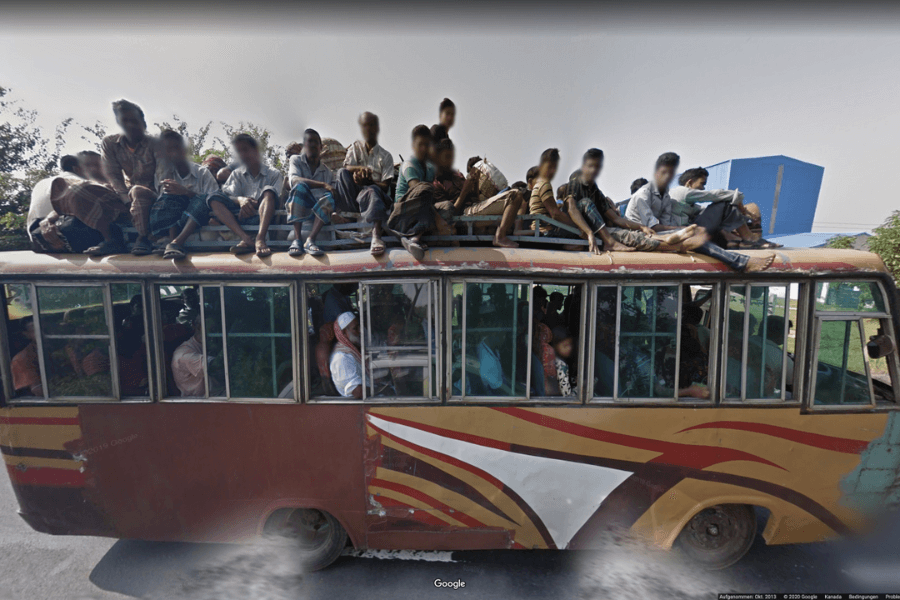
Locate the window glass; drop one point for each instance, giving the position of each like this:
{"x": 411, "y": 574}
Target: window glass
{"x": 648, "y": 341}
{"x": 849, "y": 296}
{"x": 25, "y": 368}
{"x": 131, "y": 341}
{"x": 399, "y": 340}
{"x": 75, "y": 339}
{"x": 489, "y": 323}
{"x": 258, "y": 325}
{"x": 325, "y": 302}
{"x": 605, "y": 344}
{"x": 841, "y": 376}
{"x": 766, "y": 316}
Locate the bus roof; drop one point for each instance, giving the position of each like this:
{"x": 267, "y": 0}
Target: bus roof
{"x": 397, "y": 260}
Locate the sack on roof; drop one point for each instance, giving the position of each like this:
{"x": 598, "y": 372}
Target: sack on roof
{"x": 492, "y": 180}
{"x": 333, "y": 153}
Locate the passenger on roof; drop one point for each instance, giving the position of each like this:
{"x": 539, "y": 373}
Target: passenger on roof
{"x": 132, "y": 161}
{"x": 638, "y": 184}
{"x": 364, "y": 183}
{"x": 414, "y": 214}
{"x": 92, "y": 166}
{"x": 182, "y": 206}
{"x": 249, "y": 197}
{"x": 69, "y": 165}
{"x": 446, "y": 118}
{"x": 617, "y": 232}
{"x": 456, "y": 195}
{"x": 651, "y": 206}
{"x": 290, "y": 151}
{"x": 312, "y": 194}
{"x": 725, "y": 217}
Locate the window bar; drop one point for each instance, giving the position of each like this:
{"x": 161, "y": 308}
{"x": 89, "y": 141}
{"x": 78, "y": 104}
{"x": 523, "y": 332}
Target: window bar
{"x": 784, "y": 352}
{"x": 654, "y": 294}
{"x": 462, "y": 325}
{"x": 862, "y": 340}
{"x": 764, "y": 336}
{"x": 678, "y": 341}
{"x": 203, "y": 340}
{"x": 430, "y": 350}
{"x": 845, "y": 359}
{"x": 615, "y": 392}
{"x": 303, "y": 343}
{"x": 151, "y": 381}
{"x": 295, "y": 339}
{"x": 581, "y": 398}
{"x": 224, "y": 342}
{"x": 272, "y": 340}
{"x": 745, "y": 343}
{"x": 113, "y": 355}
{"x": 528, "y": 350}
{"x": 363, "y": 304}
{"x": 5, "y": 358}
{"x": 39, "y": 340}
{"x": 160, "y": 389}
{"x": 515, "y": 345}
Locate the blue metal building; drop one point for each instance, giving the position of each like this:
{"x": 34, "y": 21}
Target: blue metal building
{"x": 786, "y": 189}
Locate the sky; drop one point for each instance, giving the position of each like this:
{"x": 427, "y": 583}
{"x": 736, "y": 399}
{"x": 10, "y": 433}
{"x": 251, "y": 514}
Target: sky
{"x": 710, "y": 82}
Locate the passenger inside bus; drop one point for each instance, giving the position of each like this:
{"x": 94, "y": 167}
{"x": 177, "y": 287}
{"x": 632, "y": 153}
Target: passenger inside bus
{"x": 188, "y": 362}
{"x": 26, "y": 373}
{"x": 346, "y": 359}
{"x": 131, "y": 350}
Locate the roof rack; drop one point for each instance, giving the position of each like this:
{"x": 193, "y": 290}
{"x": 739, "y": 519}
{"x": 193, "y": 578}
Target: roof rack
{"x": 357, "y": 234}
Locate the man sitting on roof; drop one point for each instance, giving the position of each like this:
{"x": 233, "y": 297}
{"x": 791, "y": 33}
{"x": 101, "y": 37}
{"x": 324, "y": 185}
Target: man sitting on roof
{"x": 651, "y": 206}
{"x": 455, "y": 195}
{"x": 182, "y": 205}
{"x": 725, "y": 216}
{"x": 92, "y": 166}
{"x": 414, "y": 214}
{"x": 615, "y": 230}
{"x": 312, "y": 194}
{"x": 248, "y": 197}
{"x": 131, "y": 162}
{"x": 364, "y": 182}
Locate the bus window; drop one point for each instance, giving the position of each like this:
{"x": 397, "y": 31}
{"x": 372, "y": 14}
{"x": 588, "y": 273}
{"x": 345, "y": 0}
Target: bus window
{"x": 648, "y": 341}
{"x": 849, "y": 296}
{"x": 555, "y": 338}
{"x": 399, "y": 340}
{"x": 757, "y": 362}
{"x": 75, "y": 337}
{"x": 842, "y": 372}
{"x": 131, "y": 341}
{"x": 325, "y": 303}
{"x": 605, "y": 341}
{"x": 25, "y": 366}
{"x": 191, "y": 362}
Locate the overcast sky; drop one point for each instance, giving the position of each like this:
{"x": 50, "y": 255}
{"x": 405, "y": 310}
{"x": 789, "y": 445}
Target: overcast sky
{"x": 822, "y": 89}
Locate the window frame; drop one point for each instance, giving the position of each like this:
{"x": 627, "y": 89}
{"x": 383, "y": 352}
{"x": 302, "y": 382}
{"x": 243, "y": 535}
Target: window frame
{"x": 108, "y": 313}
{"x": 528, "y": 398}
{"x": 816, "y": 318}
{"x": 220, "y": 285}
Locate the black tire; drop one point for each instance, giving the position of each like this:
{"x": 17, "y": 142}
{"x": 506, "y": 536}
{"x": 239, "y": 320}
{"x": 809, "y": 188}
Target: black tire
{"x": 317, "y": 536}
{"x": 719, "y": 536}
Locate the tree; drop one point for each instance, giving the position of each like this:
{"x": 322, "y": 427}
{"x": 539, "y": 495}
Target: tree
{"x": 885, "y": 242}
{"x": 844, "y": 242}
{"x": 272, "y": 153}
{"x": 195, "y": 141}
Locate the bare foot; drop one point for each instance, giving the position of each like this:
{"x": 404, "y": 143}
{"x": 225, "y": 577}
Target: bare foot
{"x": 757, "y": 264}
{"x": 504, "y": 242}
{"x": 695, "y": 241}
{"x": 262, "y": 249}
{"x": 617, "y": 247}
{"x": 679, "y": 236}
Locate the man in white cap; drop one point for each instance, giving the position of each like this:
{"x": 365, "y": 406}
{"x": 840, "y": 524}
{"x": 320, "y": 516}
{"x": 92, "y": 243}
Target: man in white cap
{"x": 346, "y": 360}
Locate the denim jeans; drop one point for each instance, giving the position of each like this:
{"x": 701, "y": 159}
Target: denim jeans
{"x": 736, "y": 261}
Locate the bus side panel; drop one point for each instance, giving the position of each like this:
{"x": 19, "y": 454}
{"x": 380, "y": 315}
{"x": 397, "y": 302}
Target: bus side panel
{"x": 215, "y": 471}
{"x": 563, "y": 477}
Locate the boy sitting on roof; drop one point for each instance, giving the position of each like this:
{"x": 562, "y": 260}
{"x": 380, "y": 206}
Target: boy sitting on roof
{"x": 312, "y": 194}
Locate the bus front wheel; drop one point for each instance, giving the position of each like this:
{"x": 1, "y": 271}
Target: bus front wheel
{"x": 719, "y": 536}
{"x": 318, "y": 537}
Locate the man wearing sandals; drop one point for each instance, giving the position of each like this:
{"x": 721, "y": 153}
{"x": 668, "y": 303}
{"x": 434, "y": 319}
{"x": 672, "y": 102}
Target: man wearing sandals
{"x": 725, "y": 217}
{"x": 248, "y": 197}
{"x": 182, "y": 206}
{"x": 312, "y": 194}
{"x": 651, "y": 206}
{"x": 414, "y": 214}
{"x": 364, "y": 182}
{"x": 131, "y": 162}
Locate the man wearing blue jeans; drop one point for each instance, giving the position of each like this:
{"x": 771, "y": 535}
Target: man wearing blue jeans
{"x": 651, "y": 206}
{"x": 312, "y": 194}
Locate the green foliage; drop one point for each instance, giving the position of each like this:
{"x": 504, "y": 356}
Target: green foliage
{"x": 843, "y": 242}
{"x": 885, "y": 242}
{"x": 272, "y": 153}
{"x": 195, "y": 140}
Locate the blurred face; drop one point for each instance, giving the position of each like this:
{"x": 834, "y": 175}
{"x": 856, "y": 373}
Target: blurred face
{"x": 368, "y": 126}
{"x": 548, "y": 169}
{"x": 697, "y": 184}
{"x": 420, "y": 147}
{"x": 175, "y": 151}
{"x": 443, "y": 159}
{"x": 132, "y": 124}
{"x": 312, "y": 146}
{"x": 564, "y": 348}
{"x": 448, "y": 117}
{"x": 352, "y": 331}
{"x": 590, "y": 169}
{"x": 664, "y": 176}
{"x": 247, "y": 154}
{"x": 92, "y": 167}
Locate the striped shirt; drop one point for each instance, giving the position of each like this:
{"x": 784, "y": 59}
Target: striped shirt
{"x": 542, "y": 192}
{"x": 300, "y": 167}
{"x": 378, "y": 159}
{"x": 126, "y": 167}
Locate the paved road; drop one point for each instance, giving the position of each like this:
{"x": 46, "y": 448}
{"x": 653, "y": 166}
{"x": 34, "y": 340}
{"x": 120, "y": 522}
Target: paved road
{"x": 34, "y": 566}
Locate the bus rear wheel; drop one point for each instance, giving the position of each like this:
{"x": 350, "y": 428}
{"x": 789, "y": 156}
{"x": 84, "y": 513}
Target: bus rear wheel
{"x": 318, "y": 537}
{"x": 719, "y": 536}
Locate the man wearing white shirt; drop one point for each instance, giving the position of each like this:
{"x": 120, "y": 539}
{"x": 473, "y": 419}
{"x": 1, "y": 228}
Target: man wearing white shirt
{"x": 182, "y": 205}
{"x": 346, "y": 361}
{"x": 364, "y": 182}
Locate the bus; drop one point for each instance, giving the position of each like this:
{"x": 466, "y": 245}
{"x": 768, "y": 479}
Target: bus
{"x": 508, "y": 398}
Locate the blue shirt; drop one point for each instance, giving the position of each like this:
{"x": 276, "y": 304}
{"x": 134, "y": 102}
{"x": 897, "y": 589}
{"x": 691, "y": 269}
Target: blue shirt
{"x": 413, "y": 170}
{"x": 300, "y": 167}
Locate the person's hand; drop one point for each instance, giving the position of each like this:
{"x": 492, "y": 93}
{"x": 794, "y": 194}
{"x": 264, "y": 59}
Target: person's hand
{"x": 223, "y": 174}
{"x": 593, "y": 248}
{"x": 248, "y": 208}
{"x": 647, "y": 230}
{"x": 170, "y": 186}
{"x": 50, "y": 232}
{"x": 328, "y": 188}
{"x": 474, "y": 176}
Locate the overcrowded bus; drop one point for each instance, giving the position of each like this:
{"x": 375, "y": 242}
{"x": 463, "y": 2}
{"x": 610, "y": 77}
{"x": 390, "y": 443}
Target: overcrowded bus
{"x": 201, "y": 400}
